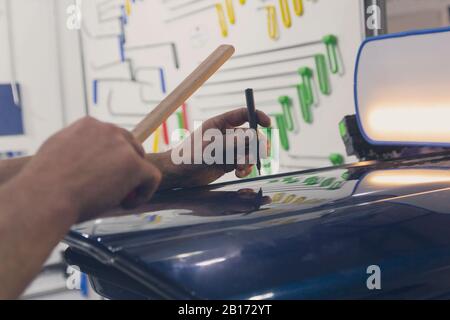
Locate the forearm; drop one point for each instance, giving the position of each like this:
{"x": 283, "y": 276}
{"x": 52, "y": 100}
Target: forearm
{"x": 31, "y": 225}
{"x": 10, "y": 168}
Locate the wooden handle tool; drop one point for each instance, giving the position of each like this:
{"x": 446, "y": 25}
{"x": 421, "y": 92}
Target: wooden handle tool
{"x": 182, "y": 93}
{"x": 168, "y": 106}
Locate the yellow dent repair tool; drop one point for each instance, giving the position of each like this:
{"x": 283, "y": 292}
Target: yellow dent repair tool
{"x": 285, "y": 13}
{"x": 298, "y": 7}
{"x": 272, "y": 25}
{"x": 128, "y": 7}
{"x": 222, "y": 21}
{"x": 242, "y": 2}
{"x": 230, "y": 11}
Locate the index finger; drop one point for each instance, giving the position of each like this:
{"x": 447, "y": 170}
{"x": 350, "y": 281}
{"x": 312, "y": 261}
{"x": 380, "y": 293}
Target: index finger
{"x": 132, "y": 140}
{"x": 236, "y": 118}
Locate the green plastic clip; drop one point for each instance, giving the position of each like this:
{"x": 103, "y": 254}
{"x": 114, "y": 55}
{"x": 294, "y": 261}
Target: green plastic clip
{"x": 311, "y": 181}
{"x": 336, "y": 186}
{"x": 286, "y": 104}
{"x": 327, "y": 182}
{"x": 322, "y": 74}
{"x": 331, "y": 42}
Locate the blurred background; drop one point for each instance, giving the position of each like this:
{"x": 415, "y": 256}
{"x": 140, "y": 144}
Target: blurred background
{"x": 115, "y": 60}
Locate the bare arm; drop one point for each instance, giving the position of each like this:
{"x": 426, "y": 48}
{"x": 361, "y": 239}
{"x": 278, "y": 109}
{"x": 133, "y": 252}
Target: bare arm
{"x": 10, "y": 168}
{"x": 174, "y": 176}
{"x": 31, "y": 224}
{"x": 77, "y": 175}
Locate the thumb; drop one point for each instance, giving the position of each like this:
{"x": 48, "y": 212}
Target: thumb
{"x": 149, "y": 181}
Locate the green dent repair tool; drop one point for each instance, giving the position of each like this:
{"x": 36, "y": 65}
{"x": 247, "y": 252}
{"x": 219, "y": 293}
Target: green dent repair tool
{"x": 322, "y": 74}
{"x": 267, "y": 163}
{"x": 307, "y": 74}
{"x": 181, "y": 126}
{"x": 286, "y": 104}
{"x": 281, "y": 125}
{"x": 304, "y": 105}
{"x": 268, "y": 133}
{"x": 331, "y": 42}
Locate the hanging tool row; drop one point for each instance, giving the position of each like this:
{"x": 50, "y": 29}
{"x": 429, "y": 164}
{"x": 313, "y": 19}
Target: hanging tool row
{"x": 226, "y": 14}
{"x": 286, "y": 17}
{"x": 306, "y": 95}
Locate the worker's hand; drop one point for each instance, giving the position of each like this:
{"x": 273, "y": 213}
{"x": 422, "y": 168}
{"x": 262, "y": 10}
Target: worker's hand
{"x": 88, "y": 168}
{"x": 203, "y": 174}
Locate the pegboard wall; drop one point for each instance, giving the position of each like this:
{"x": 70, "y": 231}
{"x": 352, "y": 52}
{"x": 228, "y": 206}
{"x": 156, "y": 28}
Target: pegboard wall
{"x": 297, "y": 55}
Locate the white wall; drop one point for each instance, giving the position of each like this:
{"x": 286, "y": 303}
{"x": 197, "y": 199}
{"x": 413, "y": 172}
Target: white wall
{"x": 71, "y": 64}
{"x": 35, "y": 47}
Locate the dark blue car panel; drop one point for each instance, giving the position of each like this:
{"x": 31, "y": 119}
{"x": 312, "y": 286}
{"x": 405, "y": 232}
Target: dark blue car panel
{"x": 311, "y": 235}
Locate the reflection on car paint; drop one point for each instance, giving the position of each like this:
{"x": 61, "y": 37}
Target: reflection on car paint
{"x": 313, "y": 236}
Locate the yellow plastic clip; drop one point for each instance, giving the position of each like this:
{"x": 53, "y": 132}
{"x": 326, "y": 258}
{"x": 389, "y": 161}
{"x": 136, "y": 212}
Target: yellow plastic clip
{"x": 156, "y": 140}
{"x": 272, "y": 22}
{"x": 230, "y": 11}
{"x": 128, "y": 7}
{"x": 242, "y": 2}
{"x": 222, "y": 20}
{"x": 285, "y": 13}
{"x": 298, "y": 7}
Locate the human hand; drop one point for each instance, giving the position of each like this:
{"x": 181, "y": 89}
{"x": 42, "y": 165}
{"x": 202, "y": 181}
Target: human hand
{"x": 88, "y": 168}
{"x": 188, "y": 175}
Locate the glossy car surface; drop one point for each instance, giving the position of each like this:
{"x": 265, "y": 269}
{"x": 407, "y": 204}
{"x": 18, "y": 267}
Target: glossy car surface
{"x": 310, "y": 235}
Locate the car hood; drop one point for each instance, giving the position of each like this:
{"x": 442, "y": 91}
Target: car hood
{"x": 302, "y": 235}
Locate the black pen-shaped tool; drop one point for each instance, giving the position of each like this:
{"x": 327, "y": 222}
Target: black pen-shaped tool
{"x": 257, "y": 203}
{"x": 253, "y": 119}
